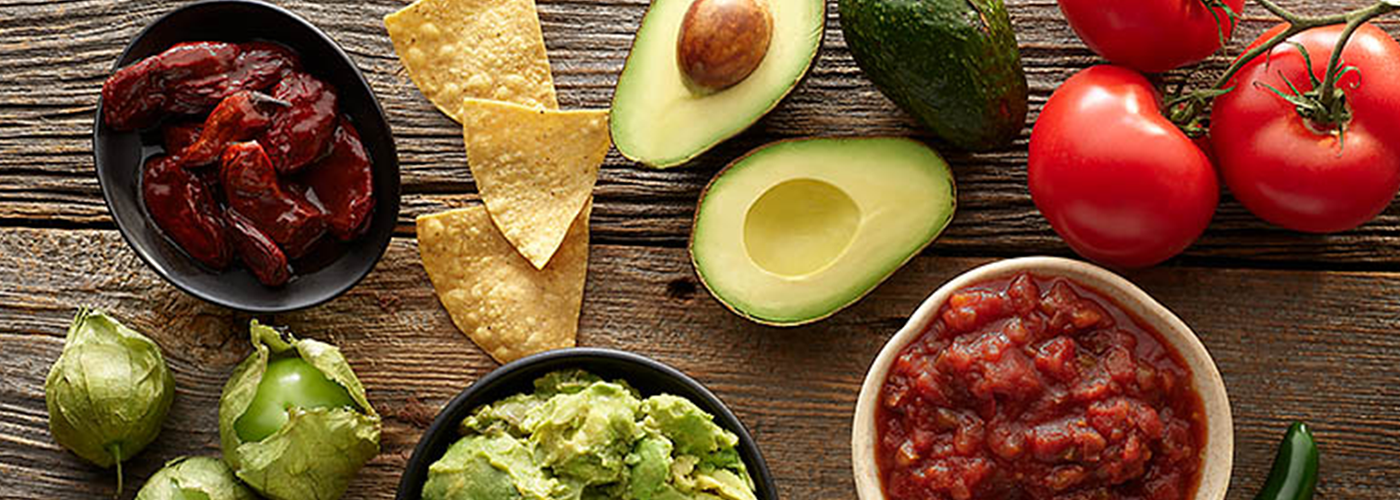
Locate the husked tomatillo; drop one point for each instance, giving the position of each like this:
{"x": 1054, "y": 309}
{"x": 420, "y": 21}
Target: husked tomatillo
{"x": 294, "y": 423}
{"x": 288, "y": 384}
{"x": 194, "y": 478}
{"x": 109, "y": 391}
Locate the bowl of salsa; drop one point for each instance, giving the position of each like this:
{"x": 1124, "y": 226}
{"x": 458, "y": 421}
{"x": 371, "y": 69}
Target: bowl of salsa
{"x": 1042, "y": 378}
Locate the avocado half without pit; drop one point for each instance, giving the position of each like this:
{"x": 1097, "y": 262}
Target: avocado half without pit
{"x": 797, "y": 230}
{"x": 701, "y": 71}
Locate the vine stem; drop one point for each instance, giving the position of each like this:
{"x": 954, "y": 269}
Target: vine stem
{"x": 1334, "y": 71}
{"x": 1191, "y": 105}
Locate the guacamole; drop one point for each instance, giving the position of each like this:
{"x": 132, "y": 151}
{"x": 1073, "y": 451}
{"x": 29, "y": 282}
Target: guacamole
{"x": 578, "y": 437}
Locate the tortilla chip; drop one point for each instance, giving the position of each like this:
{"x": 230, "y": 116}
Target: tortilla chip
{"x": 492, "y": 49}
{"x": 534, "y": 168}
{"x": 494, "y": 295}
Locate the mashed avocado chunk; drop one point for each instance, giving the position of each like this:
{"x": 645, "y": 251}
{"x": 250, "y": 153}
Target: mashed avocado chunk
{"x": 579, "y": 437}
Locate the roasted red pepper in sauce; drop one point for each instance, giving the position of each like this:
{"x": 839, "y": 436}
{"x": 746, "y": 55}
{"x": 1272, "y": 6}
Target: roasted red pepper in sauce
{"x": 260, "y": 65}
{"x": 257, "y": 250}
{"x": 253, "y": 189}
{"x": 189, "y": 78}
{"x": 301, "y": 133}
{"x": 184, "y": 209}
{"x": 1038, "y": 389}
{"x": 343, "y": 183}
{"x": 239, "y": 117}
{"x": 290, "y": 166}
{"x": 175, "y": 137}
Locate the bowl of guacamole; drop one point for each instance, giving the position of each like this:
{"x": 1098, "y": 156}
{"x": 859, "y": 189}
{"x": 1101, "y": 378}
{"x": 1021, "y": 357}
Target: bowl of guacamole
{"x": 586, "y": 424}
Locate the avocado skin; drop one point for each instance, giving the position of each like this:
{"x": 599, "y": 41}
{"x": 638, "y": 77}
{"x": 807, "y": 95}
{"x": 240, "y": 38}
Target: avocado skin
{"x": 953, "y": 64}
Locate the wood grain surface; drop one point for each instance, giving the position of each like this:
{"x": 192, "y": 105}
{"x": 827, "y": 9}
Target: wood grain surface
{"x": 1301, "y": 326}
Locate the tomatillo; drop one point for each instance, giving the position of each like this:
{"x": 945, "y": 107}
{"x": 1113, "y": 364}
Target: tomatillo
{"x": 194, "y": 478}
{"x": 294, "y": 422}
{"x": 109, "y": 392}
{"x": 288, "y": 383}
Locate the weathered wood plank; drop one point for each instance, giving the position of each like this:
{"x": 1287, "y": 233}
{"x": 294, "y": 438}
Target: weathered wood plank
{"x": 55, "y": 55}
{"x": 1317, "y": 346}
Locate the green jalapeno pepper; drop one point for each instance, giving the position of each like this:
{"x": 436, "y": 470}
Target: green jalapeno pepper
{"x": 1294, "y": 474}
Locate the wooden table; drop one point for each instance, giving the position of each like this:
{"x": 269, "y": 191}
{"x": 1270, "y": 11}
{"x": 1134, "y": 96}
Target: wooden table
{"x": 1302, "y": 327}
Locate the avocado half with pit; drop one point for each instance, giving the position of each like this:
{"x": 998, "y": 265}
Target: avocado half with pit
{"x": 797, "y": 230}
{"x": 666, "y": 108}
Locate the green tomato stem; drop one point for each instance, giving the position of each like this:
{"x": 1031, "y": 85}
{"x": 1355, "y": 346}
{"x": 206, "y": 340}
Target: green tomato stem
{"x": 1296, "y": 24}
{"x": 1188, "y": 109}
{"x": 1355, "y": 20}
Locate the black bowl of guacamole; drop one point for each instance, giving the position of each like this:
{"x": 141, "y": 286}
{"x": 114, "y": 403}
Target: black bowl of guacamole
{"x": 541, "y": 377}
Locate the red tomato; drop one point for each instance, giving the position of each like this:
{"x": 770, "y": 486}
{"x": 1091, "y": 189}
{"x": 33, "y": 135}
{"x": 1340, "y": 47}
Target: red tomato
{"x": 1150, "y": 35}
{"x": 1119, "y": 182}
{"x": 1284, "y": 169}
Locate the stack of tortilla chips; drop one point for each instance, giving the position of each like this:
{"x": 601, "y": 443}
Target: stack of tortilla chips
{"x": 511, "y": 273}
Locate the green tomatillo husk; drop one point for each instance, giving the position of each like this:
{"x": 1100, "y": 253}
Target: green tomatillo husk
{"x": 316, "y": 453}
{"x": 203, "y": 478}
{"x": 109, "y": 391}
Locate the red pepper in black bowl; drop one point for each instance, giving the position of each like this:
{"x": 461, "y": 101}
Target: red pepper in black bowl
{"x": 189, "y": 78}
{"x": 300, "y": 134}
{"x": 261, "y": 65}
{"x": 257, "y": 251}
{"x": 238, "y": 117}
{"x": 253, "y": 189}
{"x": 177, "y": 136}
{"x": 343, "y": 183}
{"x": 131, "y": 126}
{"x": 184, "y": 209}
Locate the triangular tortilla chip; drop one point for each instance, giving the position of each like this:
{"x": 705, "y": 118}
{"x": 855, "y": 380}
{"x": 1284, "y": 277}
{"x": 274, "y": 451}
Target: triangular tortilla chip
{"x": 454, "y": 49}
{"x": 534, "y": 168}
{"x": 494, "y": 295}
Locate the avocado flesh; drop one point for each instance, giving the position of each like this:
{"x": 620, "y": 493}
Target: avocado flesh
{"x": 798, "y": 230}
{"x": 480, "y": 468}
{"x": 578, "y": 437}
{"x": 661, "y": 121}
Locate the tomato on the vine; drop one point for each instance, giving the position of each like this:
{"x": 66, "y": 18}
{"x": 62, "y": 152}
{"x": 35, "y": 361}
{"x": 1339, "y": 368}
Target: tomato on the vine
{"x": 1303, "y": 175}
{"x": 1116, "y": 179}
{"x": 1151, "y": 35}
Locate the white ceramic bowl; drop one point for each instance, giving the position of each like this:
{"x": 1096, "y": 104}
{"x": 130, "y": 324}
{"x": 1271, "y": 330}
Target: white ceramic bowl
{"x": 1219, "y": 446}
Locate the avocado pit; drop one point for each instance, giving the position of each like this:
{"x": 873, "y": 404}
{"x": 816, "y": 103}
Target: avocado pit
{"x": 721, "y": 42}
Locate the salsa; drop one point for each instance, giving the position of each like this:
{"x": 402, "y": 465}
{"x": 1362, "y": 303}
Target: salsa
{"x": 1036, "y": 388}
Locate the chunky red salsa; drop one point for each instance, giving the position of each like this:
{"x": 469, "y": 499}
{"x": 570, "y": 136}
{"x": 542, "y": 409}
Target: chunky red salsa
{"x": 1034, "y": 388}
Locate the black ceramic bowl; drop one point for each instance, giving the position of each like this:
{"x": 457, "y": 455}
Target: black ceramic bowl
{"x": 120, "y": 155}
{"x": 648, "y": 376}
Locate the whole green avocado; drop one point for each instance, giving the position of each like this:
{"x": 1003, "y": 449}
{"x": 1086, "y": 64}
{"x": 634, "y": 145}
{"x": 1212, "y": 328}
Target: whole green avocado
{"x": 953, "y": 64}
